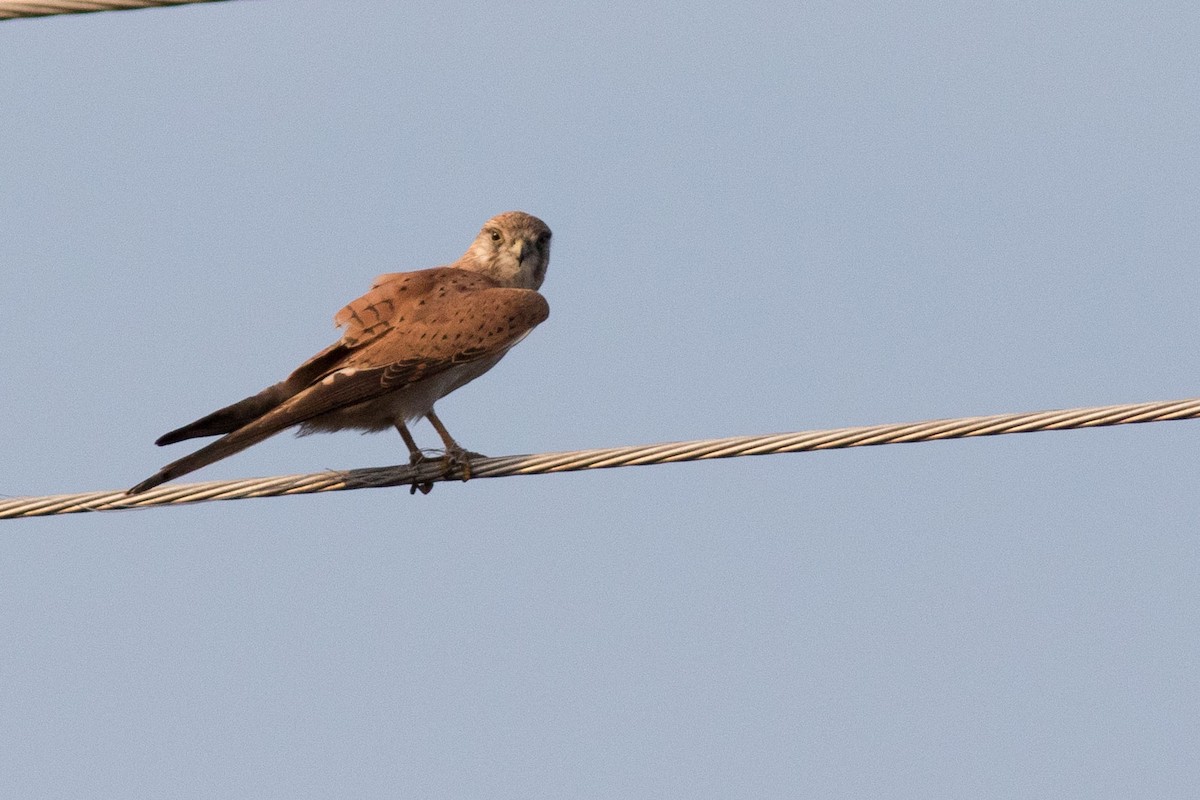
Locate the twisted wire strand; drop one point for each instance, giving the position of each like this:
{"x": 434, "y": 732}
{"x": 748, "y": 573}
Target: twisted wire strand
{"x": 12, "y": 10}
{"x": 607, "y": 458}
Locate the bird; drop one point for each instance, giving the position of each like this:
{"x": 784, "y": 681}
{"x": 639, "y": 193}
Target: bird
{"x": 413, "y": 338}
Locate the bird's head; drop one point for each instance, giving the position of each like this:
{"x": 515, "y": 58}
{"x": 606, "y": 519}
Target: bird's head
{"x": 513, "y": 249}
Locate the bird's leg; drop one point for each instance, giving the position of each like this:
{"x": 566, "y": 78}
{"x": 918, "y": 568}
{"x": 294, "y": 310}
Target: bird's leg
{"x": 415, "y": 457}
{"x": 455, "y": 455}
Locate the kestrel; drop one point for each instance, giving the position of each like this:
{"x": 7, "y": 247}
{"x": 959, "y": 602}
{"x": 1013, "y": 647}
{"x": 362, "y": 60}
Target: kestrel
{"x": 408, "y": 342}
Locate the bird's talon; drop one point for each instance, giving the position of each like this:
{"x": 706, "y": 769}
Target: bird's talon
{"x": 460, "y": 460}
{"x": 414, "y": 461}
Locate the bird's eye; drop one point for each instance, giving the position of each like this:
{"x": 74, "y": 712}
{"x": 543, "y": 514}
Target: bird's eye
{"x": 495, "y": 236}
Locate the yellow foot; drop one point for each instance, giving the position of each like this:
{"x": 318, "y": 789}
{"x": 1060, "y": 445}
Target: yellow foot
{"x": 459, "y": 460}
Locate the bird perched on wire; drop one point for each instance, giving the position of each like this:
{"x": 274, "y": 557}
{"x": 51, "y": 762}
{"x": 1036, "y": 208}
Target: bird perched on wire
{"x": 408, "y": 342}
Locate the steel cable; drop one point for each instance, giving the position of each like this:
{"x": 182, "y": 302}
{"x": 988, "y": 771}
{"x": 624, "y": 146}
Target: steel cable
{"x": 607, "y": 458}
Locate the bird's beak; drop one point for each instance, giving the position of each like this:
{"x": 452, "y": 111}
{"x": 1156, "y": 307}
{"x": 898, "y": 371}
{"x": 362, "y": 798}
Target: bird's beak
{"x": 520, "y": 248}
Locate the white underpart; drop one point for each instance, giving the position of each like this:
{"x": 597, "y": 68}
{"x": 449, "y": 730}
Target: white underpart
{"x": 331, "y": 377}
{"x": 403, "y": 405}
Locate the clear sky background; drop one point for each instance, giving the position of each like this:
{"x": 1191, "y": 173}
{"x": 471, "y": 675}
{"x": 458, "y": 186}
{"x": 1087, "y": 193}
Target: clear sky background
{"x": 767, "y": 217}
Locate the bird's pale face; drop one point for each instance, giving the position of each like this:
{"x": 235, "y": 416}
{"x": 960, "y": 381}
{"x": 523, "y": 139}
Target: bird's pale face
{"x": 513, "y": 248}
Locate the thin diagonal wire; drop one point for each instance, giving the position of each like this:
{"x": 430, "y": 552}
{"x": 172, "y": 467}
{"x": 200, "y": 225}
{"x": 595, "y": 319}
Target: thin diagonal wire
{"x": 638, "y": 455}
{"x": 12, "y": 10}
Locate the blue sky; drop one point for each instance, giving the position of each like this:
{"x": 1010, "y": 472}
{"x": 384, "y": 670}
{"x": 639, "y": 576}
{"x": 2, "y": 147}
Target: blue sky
{"x": 767, "y": 218}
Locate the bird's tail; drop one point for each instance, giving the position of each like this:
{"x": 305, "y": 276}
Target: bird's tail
{"x": 240, "y": 439}
{"x": 232, "y": 417}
